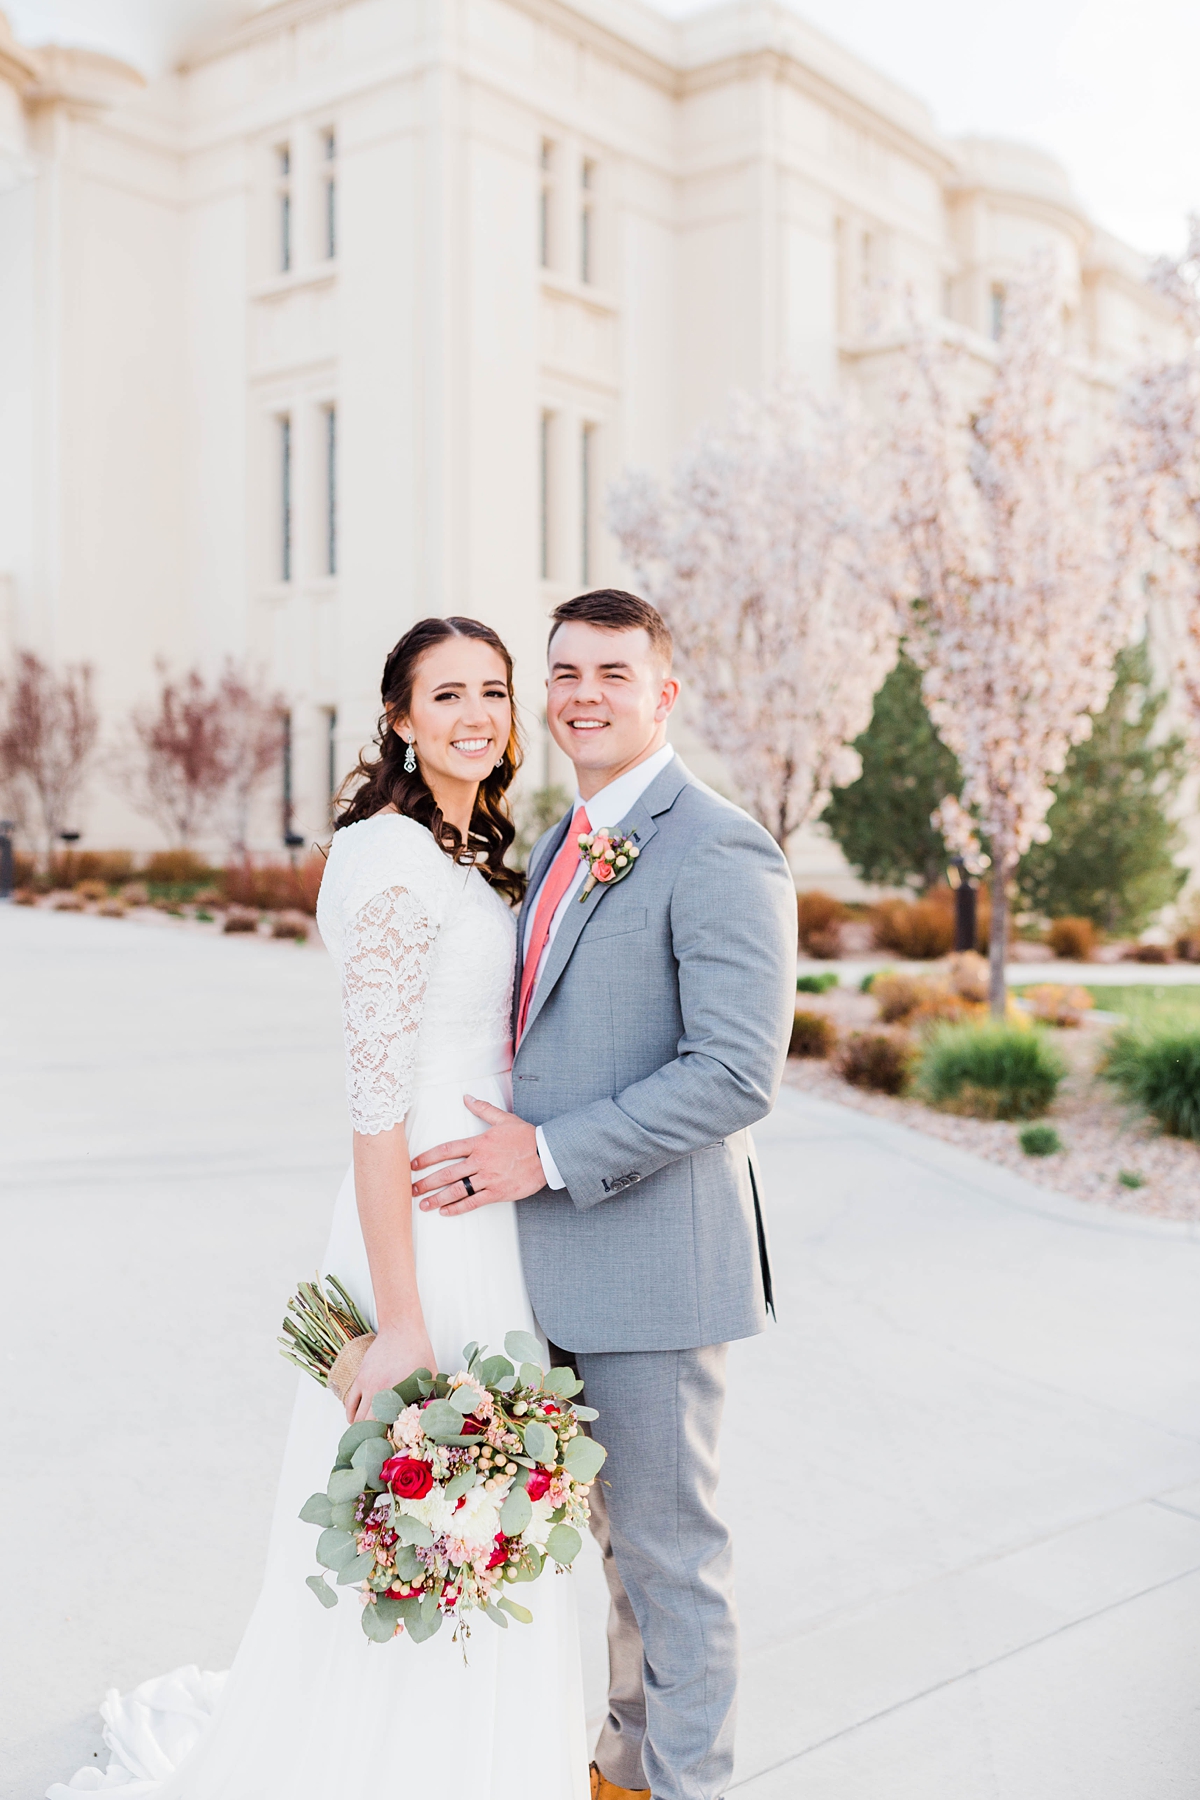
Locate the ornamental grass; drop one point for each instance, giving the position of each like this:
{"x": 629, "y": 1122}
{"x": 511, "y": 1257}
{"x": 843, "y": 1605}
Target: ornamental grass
{"x": 992, "y": 1071}
{"x": 1159, "y": 1070}
{"x": 813, "y": 1034}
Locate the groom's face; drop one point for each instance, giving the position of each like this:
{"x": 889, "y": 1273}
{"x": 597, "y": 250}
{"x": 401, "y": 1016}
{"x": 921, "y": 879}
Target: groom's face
{"x": 608, "y": 697}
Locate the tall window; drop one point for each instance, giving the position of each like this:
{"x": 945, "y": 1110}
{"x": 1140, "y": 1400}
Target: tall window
{"x": 283, "y": 202}
{"x": 544, "y": 499}
{"x": 329, "y": 142}
{"x": 331, "y": 492}
{"x": 587, "y": 180}
{"x": 586, "y": 477}
{"x": 546, "y": 205}
{"x": 331, "y": 760}
{"x": 285, "y": 498}
{"x": 996, "y": 321}
{"x": 286, "y": 772}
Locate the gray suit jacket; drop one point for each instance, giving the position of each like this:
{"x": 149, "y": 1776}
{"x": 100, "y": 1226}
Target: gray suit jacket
{"x": 657, "y": 1035}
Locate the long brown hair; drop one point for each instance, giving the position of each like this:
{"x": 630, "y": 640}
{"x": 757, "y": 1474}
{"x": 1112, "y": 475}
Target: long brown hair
{"x": 384, "y": 782}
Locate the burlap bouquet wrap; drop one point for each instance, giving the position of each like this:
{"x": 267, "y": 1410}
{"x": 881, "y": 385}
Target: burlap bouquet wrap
{"x": 347, "y": 1363}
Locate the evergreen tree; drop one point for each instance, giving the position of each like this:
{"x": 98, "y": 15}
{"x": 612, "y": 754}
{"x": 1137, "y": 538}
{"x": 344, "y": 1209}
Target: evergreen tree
{"x": 881, "y": 820}
{"x": 1110, "y": 854}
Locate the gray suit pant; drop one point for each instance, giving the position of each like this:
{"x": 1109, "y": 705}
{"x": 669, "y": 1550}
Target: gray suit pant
{"x": 672, "y": 1627}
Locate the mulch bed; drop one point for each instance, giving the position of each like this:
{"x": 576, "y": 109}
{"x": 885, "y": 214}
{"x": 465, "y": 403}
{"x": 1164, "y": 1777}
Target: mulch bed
{"x": 1101, "y": 1137}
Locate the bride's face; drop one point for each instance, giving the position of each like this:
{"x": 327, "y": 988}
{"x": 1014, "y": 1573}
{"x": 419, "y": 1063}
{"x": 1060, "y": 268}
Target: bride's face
{"x": 461, "y": 715}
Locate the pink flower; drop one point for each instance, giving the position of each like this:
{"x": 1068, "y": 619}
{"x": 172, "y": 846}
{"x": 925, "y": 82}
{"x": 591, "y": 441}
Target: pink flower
{"x": 537, "y": 1484}
{"x": 603, "y": 871}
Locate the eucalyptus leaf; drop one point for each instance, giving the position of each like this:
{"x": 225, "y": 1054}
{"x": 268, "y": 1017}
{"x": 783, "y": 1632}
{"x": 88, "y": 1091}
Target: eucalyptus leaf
{"x": 429, "y": 1607}
{"x": 345, "y": 1483}
{"x": 379, "y": 1622}
{"x": 464, "y": 1400}
{"x": 408, "y": 1563}
{"x": 495, "y": 1370}
{"x": 540, "y": 1442}
{"x": 441, "y": 1420}
{"x": 530, "y": 1565}
{"x": 419, "y": 1628}
{"x": 562, "y": 1381}
{"x": 470, "y": 1352}
{"x": 584, "y": 1458}
{"x": 516, "y": 1512}
{"x": 321, "y": 1589}
{"x": 357, "y": 1569}
{"x": 424, "y": 1381}
{"x": 387, "y": 1406}
{"x": 370, "y": 1457}
{"x": 530, "y": 1375}
{"x": 334, "y": 1548}
{"x": 521, "y": 1613}
{"x": 525, "y": 1462}
{"x": 494, "y": 1613}
{"x": 357, "y": 1434}
{"x": 523, "y": 1347}
{"x": 411, "y": 1531}
{"x": 441, "y": 1386}
{"x": 460, "y": 1484}
{"x": 343, "y": 1514}
{"x": 317, "y": 1511}
{"x": 585, "y": 1412}
{"x": 410, "y": 1389}
{"x": 564, "y": 1544}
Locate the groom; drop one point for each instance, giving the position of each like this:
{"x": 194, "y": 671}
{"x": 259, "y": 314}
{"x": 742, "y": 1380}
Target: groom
{"x": 651, "y": 1019}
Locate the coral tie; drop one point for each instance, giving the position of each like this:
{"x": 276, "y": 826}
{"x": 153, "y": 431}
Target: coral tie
{"x": 559, "y": 877}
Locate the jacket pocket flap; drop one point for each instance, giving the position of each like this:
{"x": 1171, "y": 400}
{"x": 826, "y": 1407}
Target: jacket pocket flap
{"x": 616, "y": 923}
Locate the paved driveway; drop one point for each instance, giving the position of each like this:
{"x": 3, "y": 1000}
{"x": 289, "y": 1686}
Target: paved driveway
{"x": 964, "y": 1471}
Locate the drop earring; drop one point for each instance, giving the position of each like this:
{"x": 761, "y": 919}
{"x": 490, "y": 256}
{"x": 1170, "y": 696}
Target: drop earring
{"x": 410, "y": 759}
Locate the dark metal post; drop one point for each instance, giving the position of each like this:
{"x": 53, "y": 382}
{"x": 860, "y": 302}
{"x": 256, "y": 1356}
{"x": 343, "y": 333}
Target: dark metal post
{"x": 7, "y": 827}
{"x": 964, "y": 905}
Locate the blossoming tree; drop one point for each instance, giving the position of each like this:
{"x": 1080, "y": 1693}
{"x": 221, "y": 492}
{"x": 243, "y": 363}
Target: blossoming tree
{"x": 1021, "y": 564}
{"x": 48, "y": 730}
{"x": 764, "y": 556}
{"x": 1160, "y": 466}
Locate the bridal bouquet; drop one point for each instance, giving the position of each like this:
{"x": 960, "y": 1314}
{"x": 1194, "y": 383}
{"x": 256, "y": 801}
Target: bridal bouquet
{"x": 459, "y": 1488}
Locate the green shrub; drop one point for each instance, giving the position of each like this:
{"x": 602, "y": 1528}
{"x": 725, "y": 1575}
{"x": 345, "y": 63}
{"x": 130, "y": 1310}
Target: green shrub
{"x": 880, "y": 1060}
{"x": 1040, "y": 1140}
{"x": 816, "y": 984}
{"x": 1160, "y": 1071}
{"x": 1130, "y": 1178}
{"x": 993, "y": 1071}
{"x": 812, "y": 1035}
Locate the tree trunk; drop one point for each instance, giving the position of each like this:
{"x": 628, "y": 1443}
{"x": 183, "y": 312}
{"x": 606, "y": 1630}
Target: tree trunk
{"x": 998, "y": 941}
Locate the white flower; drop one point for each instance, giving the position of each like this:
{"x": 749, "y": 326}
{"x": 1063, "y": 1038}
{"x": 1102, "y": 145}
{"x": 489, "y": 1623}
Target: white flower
{"x": 538, "y": 1528}
{"x": 478, "y": 1518}
{"x": 434, "y": 1510}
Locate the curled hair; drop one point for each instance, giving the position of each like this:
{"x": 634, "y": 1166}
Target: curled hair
{"x": 383, "y": 780}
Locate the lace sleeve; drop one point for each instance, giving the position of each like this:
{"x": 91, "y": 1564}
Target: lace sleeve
{"x": 384, "y": 971}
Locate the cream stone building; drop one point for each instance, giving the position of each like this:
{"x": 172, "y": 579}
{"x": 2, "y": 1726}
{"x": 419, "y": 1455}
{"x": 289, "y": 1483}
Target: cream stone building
{"x": 353, "y": 316}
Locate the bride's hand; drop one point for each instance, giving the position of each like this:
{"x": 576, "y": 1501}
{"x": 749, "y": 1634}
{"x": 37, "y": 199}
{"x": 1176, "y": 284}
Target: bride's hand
{"x": 396, "y": 1352}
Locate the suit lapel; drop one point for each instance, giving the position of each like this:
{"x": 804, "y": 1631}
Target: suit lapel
{"x": 637, "y": 824}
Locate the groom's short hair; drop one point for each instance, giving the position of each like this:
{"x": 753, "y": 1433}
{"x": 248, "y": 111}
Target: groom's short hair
{"x": 614, "y": 610}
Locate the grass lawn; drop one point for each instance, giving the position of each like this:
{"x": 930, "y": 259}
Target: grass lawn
{"x": 1151, "y": 1005}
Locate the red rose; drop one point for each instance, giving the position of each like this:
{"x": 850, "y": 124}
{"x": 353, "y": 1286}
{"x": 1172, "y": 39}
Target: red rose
{"x": 548, "y": 1406}
{"x": 499, "y": 1552}
{"x": 471, "y": 1427}
{"x": 407, "y": 1476}
{"x": 537, "y": 1484}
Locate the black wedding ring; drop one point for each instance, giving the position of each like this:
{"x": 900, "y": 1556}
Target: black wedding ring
{"x": 466, "y": 1180}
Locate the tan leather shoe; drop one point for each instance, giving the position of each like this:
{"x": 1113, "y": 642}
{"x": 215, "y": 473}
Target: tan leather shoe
{"x": 608, "y": 1790}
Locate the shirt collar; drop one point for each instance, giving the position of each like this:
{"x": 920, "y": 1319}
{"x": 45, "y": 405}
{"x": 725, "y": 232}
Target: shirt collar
{"x": 611, "y": 804}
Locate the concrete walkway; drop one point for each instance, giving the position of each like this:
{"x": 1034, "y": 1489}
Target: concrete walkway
{"x": 964, "y": 1471}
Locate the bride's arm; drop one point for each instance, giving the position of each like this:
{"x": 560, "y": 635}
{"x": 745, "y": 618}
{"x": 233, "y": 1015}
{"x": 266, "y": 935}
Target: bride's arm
{"x": 384, "y": 973}
{"x": 383, "y": 1186}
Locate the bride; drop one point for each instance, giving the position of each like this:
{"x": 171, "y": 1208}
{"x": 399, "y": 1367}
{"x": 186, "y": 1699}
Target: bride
{"x": 415, "y": 907}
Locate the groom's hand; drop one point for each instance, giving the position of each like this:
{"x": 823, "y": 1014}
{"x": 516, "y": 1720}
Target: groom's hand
{"x": 501, "y": 1164}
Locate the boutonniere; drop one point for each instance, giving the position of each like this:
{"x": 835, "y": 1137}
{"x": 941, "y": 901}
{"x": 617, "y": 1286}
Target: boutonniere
{"x": 609, "y": 859}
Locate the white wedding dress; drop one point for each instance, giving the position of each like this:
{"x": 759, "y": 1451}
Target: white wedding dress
{"x": 311, "y": 1710}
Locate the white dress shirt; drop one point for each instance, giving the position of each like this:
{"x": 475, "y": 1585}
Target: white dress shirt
{"x": 604, "y": 810}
